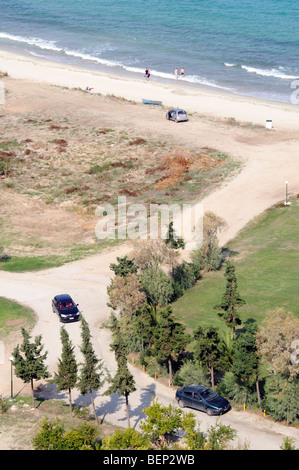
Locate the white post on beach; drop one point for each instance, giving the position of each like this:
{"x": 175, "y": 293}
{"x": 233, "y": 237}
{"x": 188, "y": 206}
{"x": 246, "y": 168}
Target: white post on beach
{"x": 286, "y": 202}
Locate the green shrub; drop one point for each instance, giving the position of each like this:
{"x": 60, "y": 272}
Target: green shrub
{"x": 53, "y": 436}
{"x": 191, "y": 373}
{"x": 129, "y": 439}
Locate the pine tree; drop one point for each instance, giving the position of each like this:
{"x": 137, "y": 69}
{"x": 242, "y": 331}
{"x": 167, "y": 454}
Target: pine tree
{"x": 230, "y": 300}
{"x": 174, "y": 240}
{"x": 124, "y": 267}
{"x": 67, "y": 367}
{"x": 30, "y": 366}
{"x": 245, "y": 365}
{"x": 92, "y": 368}
{"x": 123, "y": 382}
{"x": 208, "y": 349}
{"x": 169, "y": 338}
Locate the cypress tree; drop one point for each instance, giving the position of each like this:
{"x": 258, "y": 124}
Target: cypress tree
{"x": 67, "y": 367}
{"x": 30, "y": 365}
{"x": 230, "y": 300}
{"x": 92, "y": 367}
{"x": 123, "y": 382}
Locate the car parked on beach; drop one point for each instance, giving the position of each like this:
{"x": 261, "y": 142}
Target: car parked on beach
{"x": 177, "y": 115}
{"x": 66, "y": 309}
{"x": 203, "y": 399}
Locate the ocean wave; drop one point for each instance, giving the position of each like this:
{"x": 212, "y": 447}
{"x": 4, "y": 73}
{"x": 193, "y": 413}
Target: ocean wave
{"x": 277, "y": 73}
{"x": 32, "y": 41}
{"x": 229, "y": 65}
{"x": 52, "y": 46}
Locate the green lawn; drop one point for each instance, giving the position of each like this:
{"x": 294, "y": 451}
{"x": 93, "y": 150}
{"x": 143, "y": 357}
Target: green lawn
{"x": 36, "y": 263}
{"x": 266, "y": 256}
{"x": 14, "y": 316}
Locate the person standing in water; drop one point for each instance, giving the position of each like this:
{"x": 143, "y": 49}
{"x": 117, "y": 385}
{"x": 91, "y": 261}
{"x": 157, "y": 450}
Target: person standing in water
{"x": 182, "y": 72}
{"x": 147, "y": 74}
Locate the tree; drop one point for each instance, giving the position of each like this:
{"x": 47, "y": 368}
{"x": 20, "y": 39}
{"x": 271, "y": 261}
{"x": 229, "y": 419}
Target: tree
{"x": 207, "y": 349}
{"x": 207, "y": 256}
{"x": 123, "y": 382}
{"x": 157, "y": 286}
{"x": 30, "y": 366}
{"x": 92, "y": 367}
{"x": 144, "y": 323}
{"x": 281, "y": 398}
{"x": 66, "y": 378}
{"x": 125, "y": 293}
{"x": 174, "y": 240}
{"x": 124, "y": 267}
{"x": 246, "y": 360}
{"x": 155, "y": 253}
{"x": 184, "y": 277}
{"x": 230, "y": 300}
{"x": 277, "y": 334}
{"x": 161, "y": 423}
{"x": 169, "y": 339}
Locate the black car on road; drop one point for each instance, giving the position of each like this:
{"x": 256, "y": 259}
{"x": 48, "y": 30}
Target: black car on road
{"x": 203, "y": 399}
{"x": 65, "y": 308}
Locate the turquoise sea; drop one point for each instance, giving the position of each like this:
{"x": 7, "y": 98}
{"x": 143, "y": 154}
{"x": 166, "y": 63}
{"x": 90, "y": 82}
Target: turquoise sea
{"x": 249, "y": 47}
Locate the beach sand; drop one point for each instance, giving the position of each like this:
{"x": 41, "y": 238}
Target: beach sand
{"x": 217, "y": 120}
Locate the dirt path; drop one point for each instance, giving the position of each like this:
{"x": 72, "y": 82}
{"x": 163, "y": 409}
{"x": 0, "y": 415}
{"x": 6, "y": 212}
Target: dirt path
{"x": 269, "y": 159}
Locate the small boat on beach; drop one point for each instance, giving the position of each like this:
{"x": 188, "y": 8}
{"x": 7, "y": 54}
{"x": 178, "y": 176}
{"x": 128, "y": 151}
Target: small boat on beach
{"x": 144, "y": 101}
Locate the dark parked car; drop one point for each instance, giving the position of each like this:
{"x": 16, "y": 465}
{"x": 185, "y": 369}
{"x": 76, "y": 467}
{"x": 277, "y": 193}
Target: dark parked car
{"x": 177, "y": 115}
{"x": 202, "y": 399}
{"x": 65, "y": 308}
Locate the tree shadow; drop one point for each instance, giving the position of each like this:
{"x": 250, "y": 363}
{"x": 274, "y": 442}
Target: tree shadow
{"x": 225, "y": 254}
{"x": 148, "y": 393}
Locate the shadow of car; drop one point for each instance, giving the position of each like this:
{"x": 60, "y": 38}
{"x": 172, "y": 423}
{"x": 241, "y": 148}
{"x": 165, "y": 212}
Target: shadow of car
{"x": 66, "y": 309}
{"x": 177, "y": 115}
{"x": 202, "y": 398}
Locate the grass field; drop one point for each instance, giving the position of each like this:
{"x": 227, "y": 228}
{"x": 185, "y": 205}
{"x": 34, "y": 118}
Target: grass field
{"x": 266, "y": 256}
{"x": 14, "y": 316}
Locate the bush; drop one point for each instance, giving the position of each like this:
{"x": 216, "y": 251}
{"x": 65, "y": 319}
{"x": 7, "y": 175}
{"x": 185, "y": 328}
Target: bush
{"x": 184, "y": 277}
{"x": 191, "y": 373}
{"x": 53, "y": 436}
{"x": 231, "y": 389}
{"x": 153, "y": 365}
{"x": 281, "y": 398}
{"x": 128, "y": 439}
{"x": 4, "y": 406}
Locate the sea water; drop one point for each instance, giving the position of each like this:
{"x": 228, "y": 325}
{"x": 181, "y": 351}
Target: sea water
{"x": 248, "y": 47}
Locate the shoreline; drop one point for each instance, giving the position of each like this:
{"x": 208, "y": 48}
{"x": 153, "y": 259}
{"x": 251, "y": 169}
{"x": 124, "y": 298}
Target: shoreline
{"x": 199, "y": 99}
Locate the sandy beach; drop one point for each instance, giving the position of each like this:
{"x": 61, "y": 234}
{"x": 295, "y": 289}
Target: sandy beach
{"x": 200, "y": 99}
{"x": 269, "y": 156}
